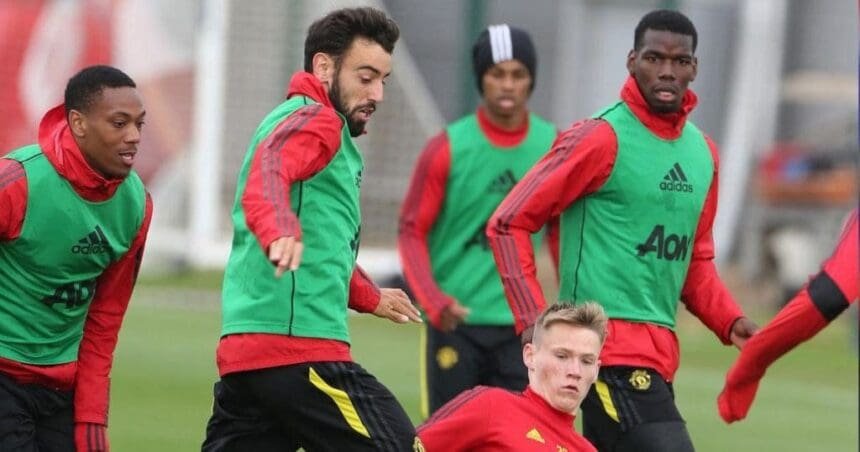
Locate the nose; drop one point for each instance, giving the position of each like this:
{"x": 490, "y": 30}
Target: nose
{"x": 575, "y": 368}
{"x": 666, "y": 69}
{"x": 133, "y": 135}
{"x": 377, "y": 92}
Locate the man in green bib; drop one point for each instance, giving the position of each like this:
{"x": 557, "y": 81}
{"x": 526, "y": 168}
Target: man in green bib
{"x": 287, "y": 377}
{"x": 73, "y": 223}
{"x": 635, "y": 189}
{"x": 461, "y": 177}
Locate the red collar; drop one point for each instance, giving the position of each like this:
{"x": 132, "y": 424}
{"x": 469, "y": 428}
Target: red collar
{"x": 667, "y": 126}
{"x": 305, "y": 84}
{"x": 499, "y": 136}
{"x": 61, "y": 149}
{"x": 537, "y": 399}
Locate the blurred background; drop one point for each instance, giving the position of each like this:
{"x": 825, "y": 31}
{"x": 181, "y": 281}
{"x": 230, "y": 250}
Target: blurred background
{"x": 777, "y": 89}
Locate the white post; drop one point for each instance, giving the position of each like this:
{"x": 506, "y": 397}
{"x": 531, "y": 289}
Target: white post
{"x": 752, "y": 110}
{"x": 205, "y": 159}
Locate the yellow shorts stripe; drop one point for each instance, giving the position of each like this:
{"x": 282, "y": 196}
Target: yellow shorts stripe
{"x": 341, "y": 399}
{"x": 606, "y": 399}
{"x": 422, "y": 373}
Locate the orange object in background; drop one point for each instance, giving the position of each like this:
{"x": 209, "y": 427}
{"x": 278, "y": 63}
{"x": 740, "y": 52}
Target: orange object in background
{"x": 790, "y": 174}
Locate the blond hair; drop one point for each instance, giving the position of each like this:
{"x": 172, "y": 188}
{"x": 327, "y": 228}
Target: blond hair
{"x": 588, "y": 315}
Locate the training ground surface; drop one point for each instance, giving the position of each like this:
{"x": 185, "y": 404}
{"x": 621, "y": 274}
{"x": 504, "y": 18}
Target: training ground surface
{"x": 165, "y": 368}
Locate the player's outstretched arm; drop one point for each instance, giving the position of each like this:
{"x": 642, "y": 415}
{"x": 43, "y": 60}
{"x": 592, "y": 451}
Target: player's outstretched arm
{"x": 825, "y": 296}
{"x": 420, "y": 209}
{"x": 296, "y": 150}
{"x": 578, "y": 164}
{"x": 704, "y": 293}
{"x": 101, "y": 330}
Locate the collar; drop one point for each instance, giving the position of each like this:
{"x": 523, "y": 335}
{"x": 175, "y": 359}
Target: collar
{"x": 499, "y": 136}
{"x": 546, "y": 407}
{"x": 305, "y": 84}
{"x": 667, "y": 126}
{"x": 60, "y": 148}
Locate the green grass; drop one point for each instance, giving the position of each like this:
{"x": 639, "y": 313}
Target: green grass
{"x": 164, "y": 371}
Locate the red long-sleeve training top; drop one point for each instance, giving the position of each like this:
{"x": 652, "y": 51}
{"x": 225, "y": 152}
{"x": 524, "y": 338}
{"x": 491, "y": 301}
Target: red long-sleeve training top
{"x": 89, "y": 375}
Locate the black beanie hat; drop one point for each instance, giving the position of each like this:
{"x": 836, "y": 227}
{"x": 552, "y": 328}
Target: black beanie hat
{"x": 499, "y": 43}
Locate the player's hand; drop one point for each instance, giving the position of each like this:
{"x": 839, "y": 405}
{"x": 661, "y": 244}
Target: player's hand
{"x": 286, "y": 254}
{"x": 395, "y": 305}
{"x": 742, "y": 329}
{"x": 739, "y": 392}
{"x": 452, "y": 316}
{"x": 90, "y": 437}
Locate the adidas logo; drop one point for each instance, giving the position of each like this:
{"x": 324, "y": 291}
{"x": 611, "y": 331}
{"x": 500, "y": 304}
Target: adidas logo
{"x": 535, "y": 435}
{"x": 93, "y": 243}
{"x": 676, "y": 180}
{"x": 503, "y": 183}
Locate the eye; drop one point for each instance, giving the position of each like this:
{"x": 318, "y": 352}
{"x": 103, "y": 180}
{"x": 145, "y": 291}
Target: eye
{"x": 119, "y": 124}
{"x": 685, "y": 61}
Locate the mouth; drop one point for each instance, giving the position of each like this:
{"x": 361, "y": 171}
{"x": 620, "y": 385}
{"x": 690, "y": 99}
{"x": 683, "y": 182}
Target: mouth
{"x": 506, "y": 102}
{"x": 570, "y": 389}
{"x": 127, "y": 157}
{"x": 365, "y": 112}
{"x": 665, "y": 94}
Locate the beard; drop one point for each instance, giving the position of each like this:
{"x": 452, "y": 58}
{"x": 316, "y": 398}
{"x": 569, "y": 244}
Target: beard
{"x": 335, "y": 95}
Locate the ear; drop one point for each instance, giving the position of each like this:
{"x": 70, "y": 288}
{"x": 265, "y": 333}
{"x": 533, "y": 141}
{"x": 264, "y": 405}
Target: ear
{"x": 77, "y": 123}
{"x": 529, "y": 356}
{"x": 695, "y": 68}
{"x": 631, "y": 60}
{"x": 323, "y": 68}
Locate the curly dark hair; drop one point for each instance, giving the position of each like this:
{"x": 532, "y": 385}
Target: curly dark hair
{"x": 86, "y": 86}
{"x": 664, "y": 20}
{"x": 334, "y": 33}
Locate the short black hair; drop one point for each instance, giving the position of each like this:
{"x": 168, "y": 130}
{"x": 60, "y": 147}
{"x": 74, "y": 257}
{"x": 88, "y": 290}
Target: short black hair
{"x": 85, "y": 86}
{"x": 664, "y": 20}
{"x": 334, "y": 33}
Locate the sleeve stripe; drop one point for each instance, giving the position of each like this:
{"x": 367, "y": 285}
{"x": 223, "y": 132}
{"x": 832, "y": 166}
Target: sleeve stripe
{"x": 272, "y": 158}
{"x": 563, "y": 151}
{"x": 524, "y": 302}
{"x": 455, "y": 404}
{"x": 422, "y": 277}
{"x": 514, "y": 205}
{"x": 424, "y": 286}
{"x": 11, "y": 173}
{"x": 826, "y": 296}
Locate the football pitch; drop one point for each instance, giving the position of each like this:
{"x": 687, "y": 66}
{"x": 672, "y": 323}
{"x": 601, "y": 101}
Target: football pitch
{"x": 165, "y": 367}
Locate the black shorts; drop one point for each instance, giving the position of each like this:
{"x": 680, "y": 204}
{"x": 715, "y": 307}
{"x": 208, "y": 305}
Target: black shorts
{"x": 35, "y": 418}
{"x": 633, "y": 409}
{"x": 323, "y": 406}
{"x": 469, "y": 356}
